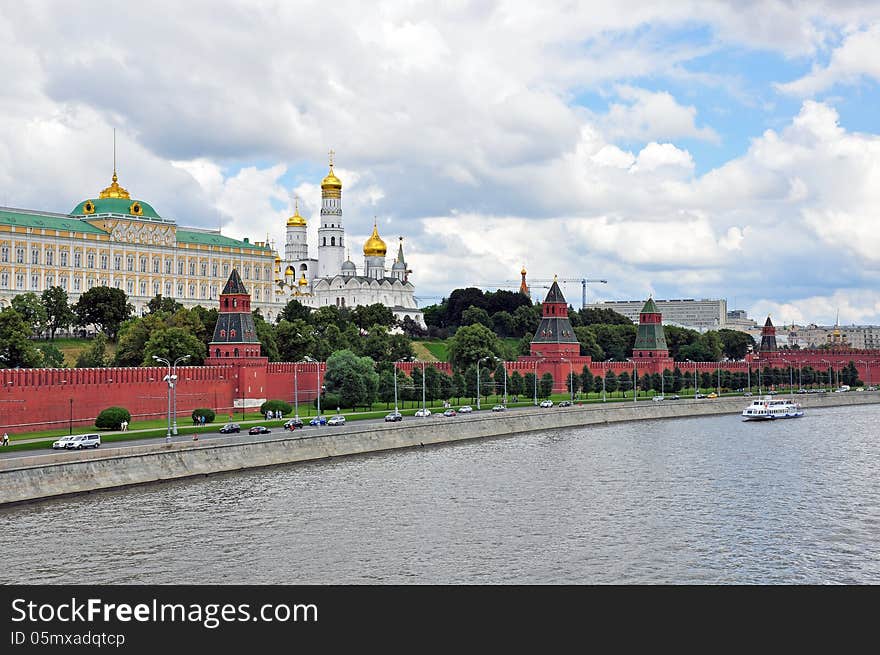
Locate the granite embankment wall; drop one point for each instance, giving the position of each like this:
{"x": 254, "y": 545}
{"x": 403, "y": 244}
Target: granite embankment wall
{"x": 44, "y": 476}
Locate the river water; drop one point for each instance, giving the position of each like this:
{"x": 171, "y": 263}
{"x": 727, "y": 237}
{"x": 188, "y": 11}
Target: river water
{"x": 702, "y": 500}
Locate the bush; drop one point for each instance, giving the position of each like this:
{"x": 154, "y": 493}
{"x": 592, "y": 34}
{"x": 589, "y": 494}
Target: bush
{"x": 329, "y": 401}
{"x": 112, "y": 418}
{"x": 274, "y": 406}
{"x": 203, "y": 411}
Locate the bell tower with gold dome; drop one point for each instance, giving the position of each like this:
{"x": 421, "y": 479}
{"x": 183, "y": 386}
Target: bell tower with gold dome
{"x": 296, "y": 246}
{"x": 331, "y": 236}
{"x": 374, "y": 255}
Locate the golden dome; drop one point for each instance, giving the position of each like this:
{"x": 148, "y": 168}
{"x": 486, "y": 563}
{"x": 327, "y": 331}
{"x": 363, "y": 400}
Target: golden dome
{"x": 296, "y": 220}
{"x": 290, "y": 271}
{"x": 523, "y": 271}
{"x": 114, "y": 190}
{"x": 277, "y": 259}
{"x": 375, "y": 247}
{"x": 331, "y": 181}
{"x": 303, "y": 281}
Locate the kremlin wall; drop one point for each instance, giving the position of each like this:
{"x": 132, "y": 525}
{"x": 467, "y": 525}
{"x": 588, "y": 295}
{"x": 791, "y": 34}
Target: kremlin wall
{"x": 236, "y": 375}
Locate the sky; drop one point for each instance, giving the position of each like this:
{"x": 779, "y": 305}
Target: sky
{"x": 690, "y": 149}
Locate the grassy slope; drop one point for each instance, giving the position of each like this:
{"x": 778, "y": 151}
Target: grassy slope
{"x": 73, "y": 347}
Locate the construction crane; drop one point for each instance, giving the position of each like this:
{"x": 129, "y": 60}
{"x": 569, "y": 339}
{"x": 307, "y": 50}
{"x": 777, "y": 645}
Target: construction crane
{"x": 583, "y": 282}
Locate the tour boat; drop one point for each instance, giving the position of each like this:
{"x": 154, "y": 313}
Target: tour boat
{"x": 769, "y": 408}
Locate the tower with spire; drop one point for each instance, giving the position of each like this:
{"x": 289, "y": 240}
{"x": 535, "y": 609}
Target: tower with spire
{"x": 768, "y": 337}
{"x": 331, "y": 235}
{"x": 555, "y": 337}
{"x": 523, "y": 287}
{"x": 399, "y": 269}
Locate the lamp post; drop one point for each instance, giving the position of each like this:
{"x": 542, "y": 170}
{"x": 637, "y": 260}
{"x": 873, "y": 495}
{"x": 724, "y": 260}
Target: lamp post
{"x": 749, "y": 374}
{"x": 394, "y": 372}
{"x": 70, "y": 431}
{"x": 174, "y": 392}
{"x": 719, "y": 378}
{"x": 635, "y": 382}
{"x": 169, "y": 379}
{"x": 478, "y": 381}
{"x": 535, "y": 380}
{"x": 825, "y": 361}
{"x": 790, "y": 377}
{"x": 424, "y": 385}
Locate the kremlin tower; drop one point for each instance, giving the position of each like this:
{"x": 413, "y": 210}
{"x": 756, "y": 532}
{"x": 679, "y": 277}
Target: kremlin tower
{"x": 555, "y": 337}
{"x": 768, "y": 337}
{"x": 650, "y": 345}
{"x": 331, "y": 246}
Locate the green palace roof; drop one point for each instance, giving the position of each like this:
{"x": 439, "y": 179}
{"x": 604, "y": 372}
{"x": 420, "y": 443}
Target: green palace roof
{"x": 214, "y": 239}
{"x": 115, "y": 206}
{"x": 47, "y": 221}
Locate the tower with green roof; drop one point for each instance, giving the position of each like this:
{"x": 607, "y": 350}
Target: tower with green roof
{"x": 650, "y": 344}
{"x": 555, "y": 337}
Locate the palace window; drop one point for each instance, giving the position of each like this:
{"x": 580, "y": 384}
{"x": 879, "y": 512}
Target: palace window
{"x": 50, "y": 281}
{"x": 19, "y": 255}
{"x": 117, "y": 263}
{"x": 117, "y": 283}
{"x": 143, "y": 264}
{"x": 156, "y": 265}
{"x": 192, "y": 268}
{"x": 4, "y": 254}
{"x": 90, "y": 260}
{"x": 35, "y": 256}
{"x": 257, "y": 293}
{"x": 35, "y": 282}
{"x": 129, "y": 263}
{"x": 104, "y": 260}
{"x": 50, "y": 257}
{"x": 180, "y": 267}
{"x": 214, "y": 270}
{"x": 63, "y": 256}
{"x": 180, "y": 291}
{"x": 64, "y": 283}
{"x": 256, "y": 272}
{"x": 213, "y": 292}
{"x": 19, "y": 281}
{"x": 192, "y": 290}
{"x": 129, "y": 286}
{"x": 90, "y": 282}
{"x": 156, "y": 288}
{"x": 168, "y": 266}
{"x": 204, "y": 291}
{"x": 77, "y": 259}
{"x": 247, "y": 272}
{"x": 4, "y": 280}
{"x": 76, "y": 284}
{"x": 268, "y": 273}
{"x": 143, "y": 288}
{"x": 225, "y": 270}
{"x": 168, "y": 289}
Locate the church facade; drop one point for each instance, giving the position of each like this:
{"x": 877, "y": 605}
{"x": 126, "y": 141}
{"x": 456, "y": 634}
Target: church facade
{"x": 331, "y": 278}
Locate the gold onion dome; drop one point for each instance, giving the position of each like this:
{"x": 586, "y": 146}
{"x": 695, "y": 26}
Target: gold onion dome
{"x": 331, "y": 181}
{"x": 114, "y": 190}
{"x": 303, "y": 281}
{"x": 289, "y": 271}
{"x": 375, "y": 247}
{"x": 296, "y": 220}
{"x": 523, "y": 271}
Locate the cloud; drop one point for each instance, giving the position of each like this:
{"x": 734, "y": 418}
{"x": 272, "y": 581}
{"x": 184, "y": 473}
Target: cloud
{"x": 649, "y": 115}
{"x": 856, "y": 58}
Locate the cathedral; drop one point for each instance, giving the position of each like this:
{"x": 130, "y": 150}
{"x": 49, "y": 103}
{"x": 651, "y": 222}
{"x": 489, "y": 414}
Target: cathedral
{"x": 332, "y": 278}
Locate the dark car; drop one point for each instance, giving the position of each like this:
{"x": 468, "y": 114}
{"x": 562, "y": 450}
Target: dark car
{"x": 230, "y": 427}
{"x": 393, "y": 417}
{"x": 293, "y": 424}
{"x": 564, "y": 403}
{"x": 259, "y": 429}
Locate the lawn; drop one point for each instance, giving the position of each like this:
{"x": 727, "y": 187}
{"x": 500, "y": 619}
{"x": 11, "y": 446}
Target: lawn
{"x": 437, "y": 348}
{"x": 71, "y": 348}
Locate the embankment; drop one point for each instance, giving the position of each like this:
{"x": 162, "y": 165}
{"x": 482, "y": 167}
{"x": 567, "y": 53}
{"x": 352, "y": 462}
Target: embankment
{"x": 45, "y": 476}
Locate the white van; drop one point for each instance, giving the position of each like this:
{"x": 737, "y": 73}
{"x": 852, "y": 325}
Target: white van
{"x": 84, "y": 441}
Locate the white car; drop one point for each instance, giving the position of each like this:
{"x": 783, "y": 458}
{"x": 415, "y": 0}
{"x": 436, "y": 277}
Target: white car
{"x": 336, "y": 420}
{"x": 498, "y": 408}
{"x": 422, "y": 413}
{"x": 546, "y": 403}
{"x": 465, "y": 409}
{"x": 81, "y": 441}
{"x": 62, "y": 442}
{"x": 658, "y": 399}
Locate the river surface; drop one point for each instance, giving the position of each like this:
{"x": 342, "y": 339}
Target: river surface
{"x": 708, "y": 500}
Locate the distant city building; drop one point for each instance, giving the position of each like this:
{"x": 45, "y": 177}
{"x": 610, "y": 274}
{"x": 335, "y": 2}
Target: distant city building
{"x": 705, "y": 314}
{"x": 738, "y": 319}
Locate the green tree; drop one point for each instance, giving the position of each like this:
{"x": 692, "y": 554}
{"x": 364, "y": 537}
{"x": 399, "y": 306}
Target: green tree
{"x": 602, "y": 317}
{"x": 586, "y": 379}
{"x": 458, "y": 386}
{"x": 386, "y": 387}
{"x": 266, "y": 337}
{"x": 208, "y": 317}
{"x": 676, "y": 380}
{"x": 586, "y": 336}
{"x": 526, "y": 320}
{"x": 545, "y": 385}
{"x": 624, "y": 382}
{"x": 95, "y": 356}
{"x": 516, "y": 384}
{"x": 52, "y": 357}
{"x": 471, "y": 343}
{"x": 295, "y": 311}
{"x": 572, "y": 382}
{"x": 503, "y": 324}
{"x": 294, "y": 339}
{"x": 342, "y": 368}
{"x": 735, "y": 344}
{"x": 32, "y": 310}
{"x": 16, "y": 349}
{"x": 529, "y": 381}
{"x": 133, "y": 336}
{"x": 163, "y": 304}
{"x": 470, "y": 382}
{"x": 59, "y": 315}
{"x": 172, "y": 343}
{"x": 616, "y": 341}
{"x": 473, "y": 315}
{"x": 610, "y": 381}
{"x": 366, "y": 316}
{"x": 105, "y": 307}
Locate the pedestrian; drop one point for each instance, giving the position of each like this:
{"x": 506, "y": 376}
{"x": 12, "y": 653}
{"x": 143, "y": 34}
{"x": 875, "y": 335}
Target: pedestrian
{"x": 5, "y": 439}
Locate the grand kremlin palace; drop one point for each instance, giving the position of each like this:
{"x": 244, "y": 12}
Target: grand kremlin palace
{"x": 116, "y": 241}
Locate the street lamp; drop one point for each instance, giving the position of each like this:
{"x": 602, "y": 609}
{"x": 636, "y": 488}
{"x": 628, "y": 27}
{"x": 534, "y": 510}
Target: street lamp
{"x": 424, "y": 385}
{"x": 478, "y": 381}
{"x": 174, "y": 392}
{"x": 169, "y": 379}
{"x": 790, "y": 377}
{"x": 825, "y": 361}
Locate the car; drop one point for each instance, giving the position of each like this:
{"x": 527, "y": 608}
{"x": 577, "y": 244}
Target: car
{"x": 675, "y": 397}
{"x": 801, "y": 391}
{"x": 393, "y": 417}
{"x": 748, "y": 393}
{"x": 546, "y": 403}
{"x": 498, "y": 408}
{"x": 337, "y": 419}
{"x": 319, "y": 420}
{"x": 230, "y": 427}
{"x": 259, "y": 429}
{"x": 658, "y": 399}
{"x": 772, "y": 392}
{"x": 294, "y": 423}
{"x": 870, "y": 388}
{"x": 449, "y": 412}
{"x": 565, "y": 403}
{"x": 81, "y": 441}
{"x": 712, "y": 395}
{"x": 62, "y": 442}
{"x": 699, "y": 395}
{"x": 422, "y": 413}
{"x": 465, "y": 409}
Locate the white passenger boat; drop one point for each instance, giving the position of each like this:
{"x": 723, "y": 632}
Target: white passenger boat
{"x": 769, "y": 408}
